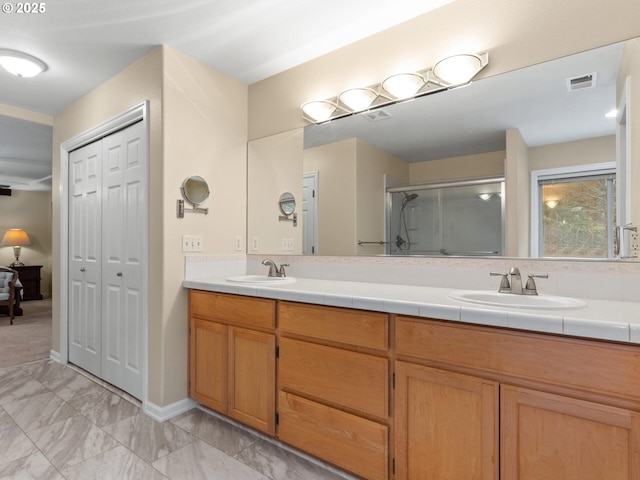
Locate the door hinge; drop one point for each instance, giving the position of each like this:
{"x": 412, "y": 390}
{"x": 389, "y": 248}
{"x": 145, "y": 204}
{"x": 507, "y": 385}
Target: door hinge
{"x": 393, "y": 465}
{"x": 393, "y": 380}
{"x": 277, "y": 351}
{"x": 277, "y": 418}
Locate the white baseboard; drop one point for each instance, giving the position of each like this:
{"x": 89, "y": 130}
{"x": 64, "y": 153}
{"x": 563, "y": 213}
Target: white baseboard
{"x": 55, "y": 356}
{"x": 162, "y": 414}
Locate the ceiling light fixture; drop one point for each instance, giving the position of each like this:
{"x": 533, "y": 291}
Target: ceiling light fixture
{"x": 21, "y": 64}
{"x": 447, "y": 73}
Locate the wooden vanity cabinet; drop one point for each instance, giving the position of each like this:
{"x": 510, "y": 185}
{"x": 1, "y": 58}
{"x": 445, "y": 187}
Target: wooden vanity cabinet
{"x": 333, "y": 376}
{"x": 567, "y": 408}
{"x": 232, "y": 356}
{"x": 446, "y": 425}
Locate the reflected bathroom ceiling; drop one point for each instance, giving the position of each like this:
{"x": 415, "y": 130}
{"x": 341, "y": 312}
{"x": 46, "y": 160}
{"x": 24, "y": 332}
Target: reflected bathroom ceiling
{"x": 473, "y": 119}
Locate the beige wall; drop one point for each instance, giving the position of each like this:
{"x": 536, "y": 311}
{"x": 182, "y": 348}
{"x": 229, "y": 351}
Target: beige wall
{"x": 274, "y": 167}
{"x": 568, "y": 154}
{"x": 336, "y": 167}
{"x": 516, "y": 34}
{"x": 517, "y": 189}
{"x": 455, "y": 168}
{"x": 204, "y": 133}
{"x": 372, "y": 166}
{"x": 197, "y": 125}
{"x": 30, "y": 211}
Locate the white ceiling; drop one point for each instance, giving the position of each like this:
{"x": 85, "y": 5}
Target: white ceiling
{"x": 85, "y": 43}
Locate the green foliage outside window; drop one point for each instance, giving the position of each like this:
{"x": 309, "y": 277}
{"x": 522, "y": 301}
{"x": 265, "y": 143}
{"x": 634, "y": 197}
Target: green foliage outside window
{"x": 579, "y": 224}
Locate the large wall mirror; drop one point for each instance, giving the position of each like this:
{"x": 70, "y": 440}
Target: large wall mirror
{"x": 539, "y": 118}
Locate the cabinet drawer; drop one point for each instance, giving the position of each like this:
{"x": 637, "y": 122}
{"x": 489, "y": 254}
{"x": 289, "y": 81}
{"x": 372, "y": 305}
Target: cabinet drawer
{"x": 350, "y": 442}
{"x": 340, "y": 377}
{"x": 233, "y": 309}
{"x": 596, "y": 366}
{"x": 352, "y": 327}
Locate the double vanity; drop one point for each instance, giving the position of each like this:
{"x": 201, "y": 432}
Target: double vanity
{"x": 400, "y": 381}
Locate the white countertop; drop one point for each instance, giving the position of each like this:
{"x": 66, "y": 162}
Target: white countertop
{"x": 600, "y": 319}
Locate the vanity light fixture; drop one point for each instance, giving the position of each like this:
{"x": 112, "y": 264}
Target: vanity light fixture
{"x": 403, "y": 85}
{"x": 447, "y": 73}
{"x": 485, "y": 196}
{"x": 318, "y": 110}
{"x": 551, "y": 203}
{"x": 21, "y": 64}
{"x": 358, "y": 99}
{"x": 458, "y": 69}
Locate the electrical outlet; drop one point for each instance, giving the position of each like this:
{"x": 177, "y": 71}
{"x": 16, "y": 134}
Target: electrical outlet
{"x": 254, "y": 244}
{"x": 237, "y": 243}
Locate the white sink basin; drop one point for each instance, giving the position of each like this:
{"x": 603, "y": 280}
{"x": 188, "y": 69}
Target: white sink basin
{"x": 263, "y": 279}
{"x": 496, "y": 299}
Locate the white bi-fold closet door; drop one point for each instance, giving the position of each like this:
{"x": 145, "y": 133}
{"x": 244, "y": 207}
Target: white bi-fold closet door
{"x": 107, "y": 257}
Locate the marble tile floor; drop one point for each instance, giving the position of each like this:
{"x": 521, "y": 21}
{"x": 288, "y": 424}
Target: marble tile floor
{"x": 57, "y": 422}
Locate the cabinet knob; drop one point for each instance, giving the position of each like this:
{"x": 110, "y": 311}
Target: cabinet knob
{"x": 119, "y": 274}
{"x": 82, "y": 269}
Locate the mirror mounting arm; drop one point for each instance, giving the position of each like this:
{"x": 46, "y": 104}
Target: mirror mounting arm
{"x": 181, "y": 209}
{"x": 289, "y": 218}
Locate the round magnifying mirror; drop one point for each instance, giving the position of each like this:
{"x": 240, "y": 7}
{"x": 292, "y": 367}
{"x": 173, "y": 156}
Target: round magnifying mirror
{"x": 287, "y": 203}
{"x": 195, "y": 190}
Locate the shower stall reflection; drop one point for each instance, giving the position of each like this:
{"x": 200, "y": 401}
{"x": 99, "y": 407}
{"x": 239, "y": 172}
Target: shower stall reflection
{"x": 461, "y": 218}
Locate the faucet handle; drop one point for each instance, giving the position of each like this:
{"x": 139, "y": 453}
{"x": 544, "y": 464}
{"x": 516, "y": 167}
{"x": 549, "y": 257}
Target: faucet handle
{"x": 281, "y": 272}
{"x": 505, "y": 286}
{"x": 530, "y": 288}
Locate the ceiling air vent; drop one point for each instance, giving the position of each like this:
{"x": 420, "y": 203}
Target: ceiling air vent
{"x": 377, "y": 115}
{"x": 582, "y": 82}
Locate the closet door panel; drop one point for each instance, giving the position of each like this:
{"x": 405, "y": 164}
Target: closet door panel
{"x": 85, "y": 257}
{"x": 123, "y": 207}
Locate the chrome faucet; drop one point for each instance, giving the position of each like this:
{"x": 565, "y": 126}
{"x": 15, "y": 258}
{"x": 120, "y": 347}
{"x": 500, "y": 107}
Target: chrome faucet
{"x": 512, "y": 282}
{"x": 274, "y": 271}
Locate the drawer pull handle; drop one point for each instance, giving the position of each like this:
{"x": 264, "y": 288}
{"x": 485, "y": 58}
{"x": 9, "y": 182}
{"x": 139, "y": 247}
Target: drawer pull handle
{"x": 82, "y": 269}
{"x": 119, "y": 274}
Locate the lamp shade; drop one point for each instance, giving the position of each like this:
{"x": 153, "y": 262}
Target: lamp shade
{"x": 15, "y": 237}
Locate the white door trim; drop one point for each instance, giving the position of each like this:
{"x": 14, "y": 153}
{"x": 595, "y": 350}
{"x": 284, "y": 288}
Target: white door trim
{"x": 118, "y": 122}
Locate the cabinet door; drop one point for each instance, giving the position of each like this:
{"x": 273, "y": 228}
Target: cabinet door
{"x": 446, "y": 425}
{"x": 546, "y": 436}
{"x": 208, "y": 364}
{"x": 252, "y": 378}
